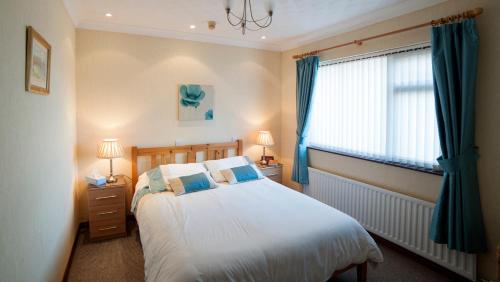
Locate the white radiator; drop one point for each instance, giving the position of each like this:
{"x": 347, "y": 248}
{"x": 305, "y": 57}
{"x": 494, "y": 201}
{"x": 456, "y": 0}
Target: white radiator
{"x": 396, "y": 217}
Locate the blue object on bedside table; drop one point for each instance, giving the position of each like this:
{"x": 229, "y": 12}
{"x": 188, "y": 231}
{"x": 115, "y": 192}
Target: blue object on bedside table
{"x": 96, "y": 180}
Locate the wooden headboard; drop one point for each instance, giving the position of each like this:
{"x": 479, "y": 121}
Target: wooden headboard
{"x": 168, "y": 155}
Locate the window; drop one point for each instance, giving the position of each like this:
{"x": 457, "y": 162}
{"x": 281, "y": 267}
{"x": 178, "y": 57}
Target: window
{"x": 378, "y": 107}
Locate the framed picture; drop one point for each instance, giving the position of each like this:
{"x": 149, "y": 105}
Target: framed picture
{"x": 196, "y": 102}
{"x": 37, "y": 63}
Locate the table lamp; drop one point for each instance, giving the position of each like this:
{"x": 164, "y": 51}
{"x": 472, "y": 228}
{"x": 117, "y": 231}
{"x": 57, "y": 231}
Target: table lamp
{"x": 265, "y": 139}
{"x": 110, "y": 149}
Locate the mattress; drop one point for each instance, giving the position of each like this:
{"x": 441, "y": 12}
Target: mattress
{"x": 253, "y": 231}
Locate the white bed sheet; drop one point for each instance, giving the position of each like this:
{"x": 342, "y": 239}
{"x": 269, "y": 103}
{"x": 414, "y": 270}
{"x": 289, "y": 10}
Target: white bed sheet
{"x": 253, "y": 231}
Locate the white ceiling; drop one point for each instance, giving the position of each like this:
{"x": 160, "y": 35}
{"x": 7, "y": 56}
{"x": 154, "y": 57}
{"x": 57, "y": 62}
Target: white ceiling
{"x": 295, "y": 22}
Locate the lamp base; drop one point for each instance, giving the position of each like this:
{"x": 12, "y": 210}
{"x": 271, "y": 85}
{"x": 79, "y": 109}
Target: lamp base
{"x": 111, "y": 179}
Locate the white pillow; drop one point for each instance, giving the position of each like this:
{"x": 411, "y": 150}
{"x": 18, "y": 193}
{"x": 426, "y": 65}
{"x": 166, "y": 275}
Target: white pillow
{"x": 178, "y": 170}
{"x": 143, "y": 181}
{"x": 215, "y": 166}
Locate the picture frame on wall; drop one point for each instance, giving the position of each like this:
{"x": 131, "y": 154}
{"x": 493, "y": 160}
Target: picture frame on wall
{"x": 38, "y": 52}
{"x": 196, "y": 102}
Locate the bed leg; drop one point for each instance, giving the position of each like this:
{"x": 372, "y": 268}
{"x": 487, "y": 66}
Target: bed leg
{"x": 361, "y": 270}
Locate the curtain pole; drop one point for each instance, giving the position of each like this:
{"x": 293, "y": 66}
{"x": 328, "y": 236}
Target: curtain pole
{"x": 465, "y": 15}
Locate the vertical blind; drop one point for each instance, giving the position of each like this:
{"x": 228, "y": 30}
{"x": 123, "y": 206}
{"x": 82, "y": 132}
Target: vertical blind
{"x": 379, "y": 107}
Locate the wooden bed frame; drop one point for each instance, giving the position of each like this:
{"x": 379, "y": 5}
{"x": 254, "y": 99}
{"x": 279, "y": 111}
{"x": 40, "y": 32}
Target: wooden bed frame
{"x": 167, "y": 155}
{"x": 214, "y": 151}
{"x": 361, "y": 272}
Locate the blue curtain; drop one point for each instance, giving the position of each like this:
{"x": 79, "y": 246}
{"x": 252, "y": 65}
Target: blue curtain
{"x": 306, "y": 77}
{"x": 457, "y": 220}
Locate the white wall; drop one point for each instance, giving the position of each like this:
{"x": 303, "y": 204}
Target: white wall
{"x": 417, "y": 184}
{"x": 128, "y": 88}
{"x": 37, "y": 147}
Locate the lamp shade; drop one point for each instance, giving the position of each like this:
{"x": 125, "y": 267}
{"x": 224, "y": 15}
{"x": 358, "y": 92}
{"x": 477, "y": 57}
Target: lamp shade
{"x": 265, "y": 138}
{"x": 109, "y": 149}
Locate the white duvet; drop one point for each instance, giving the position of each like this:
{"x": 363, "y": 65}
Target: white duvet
{"x": 254, "y": 231}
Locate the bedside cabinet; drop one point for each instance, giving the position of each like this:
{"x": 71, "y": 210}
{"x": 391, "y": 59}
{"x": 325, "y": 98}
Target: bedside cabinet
{"x": 272, "y": 172}
{"x": 107, "y": 210}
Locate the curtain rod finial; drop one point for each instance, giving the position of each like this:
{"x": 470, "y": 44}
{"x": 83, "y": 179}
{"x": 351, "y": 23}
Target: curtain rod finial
{"x": 478, "y": 11}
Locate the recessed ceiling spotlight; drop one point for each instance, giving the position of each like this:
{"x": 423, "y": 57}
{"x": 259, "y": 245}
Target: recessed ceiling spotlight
{"x": 192, "y": 26}
{"x": 108, "y": 15}
{"x": 263, "y": 37}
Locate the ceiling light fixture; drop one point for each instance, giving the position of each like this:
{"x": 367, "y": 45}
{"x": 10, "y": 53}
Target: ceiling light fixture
{"x": 244, "y": 23}
{"x": 263, "y": 37}
{"x": 109, "y": 15}
{"x": 192, "y": 26}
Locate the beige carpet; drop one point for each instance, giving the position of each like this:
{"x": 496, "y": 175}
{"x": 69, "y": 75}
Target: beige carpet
{"x": 122, "y": 260}
{"x": 118, "y": 259}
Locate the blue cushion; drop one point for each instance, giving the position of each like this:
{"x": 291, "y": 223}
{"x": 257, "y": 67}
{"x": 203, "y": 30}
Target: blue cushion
{"x": 241, "y": 174}
{"x": 244, "y": 173}
{"x": 195, "y": 182}
{"x": 191, "y": 183}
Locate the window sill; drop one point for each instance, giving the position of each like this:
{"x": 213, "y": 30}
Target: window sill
{"x": 396, "y": 164}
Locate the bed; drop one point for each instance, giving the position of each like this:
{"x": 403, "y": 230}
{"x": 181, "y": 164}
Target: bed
{"x": 253, "y": 231}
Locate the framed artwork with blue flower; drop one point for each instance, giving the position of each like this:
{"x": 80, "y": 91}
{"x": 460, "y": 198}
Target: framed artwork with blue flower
{"x": 196, "y": 102}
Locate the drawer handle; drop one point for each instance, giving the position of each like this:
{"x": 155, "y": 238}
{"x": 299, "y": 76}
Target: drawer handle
{"x": 108, "y": 228}
{"x": 108, "y": 212}
{"x": 106, "y": 197}
{"x": 276, "y": 174}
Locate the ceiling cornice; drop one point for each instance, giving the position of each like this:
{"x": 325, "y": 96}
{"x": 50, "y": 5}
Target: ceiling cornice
{"x": 72, "y": 11}
{"x": 158, "y": 32}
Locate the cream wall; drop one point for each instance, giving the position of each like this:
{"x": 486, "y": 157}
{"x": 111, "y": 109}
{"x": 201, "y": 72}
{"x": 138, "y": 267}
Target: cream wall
{"x": 38, "y": 144}
{"x": 417, "y": 184}
{"x": 127, "y": 88}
